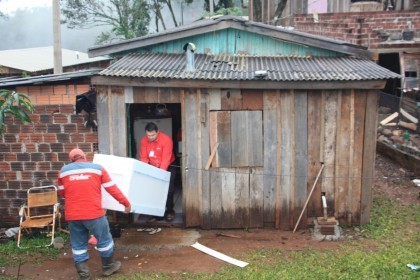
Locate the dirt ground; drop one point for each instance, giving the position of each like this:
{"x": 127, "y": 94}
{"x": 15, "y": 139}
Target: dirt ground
{"x": 169, "y": 251}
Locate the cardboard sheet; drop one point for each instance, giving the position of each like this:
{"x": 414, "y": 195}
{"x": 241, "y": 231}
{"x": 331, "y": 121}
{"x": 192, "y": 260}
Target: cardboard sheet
{"x": 145, "y": 186}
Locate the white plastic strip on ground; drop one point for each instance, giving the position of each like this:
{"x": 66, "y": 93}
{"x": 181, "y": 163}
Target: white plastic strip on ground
{"x": 218, "y": 255}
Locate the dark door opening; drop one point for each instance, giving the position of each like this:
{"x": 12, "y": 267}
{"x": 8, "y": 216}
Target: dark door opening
{"x": 168, "y": 119}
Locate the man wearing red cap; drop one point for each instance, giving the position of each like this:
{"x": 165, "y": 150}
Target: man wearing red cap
{"x": 80, "y": 183}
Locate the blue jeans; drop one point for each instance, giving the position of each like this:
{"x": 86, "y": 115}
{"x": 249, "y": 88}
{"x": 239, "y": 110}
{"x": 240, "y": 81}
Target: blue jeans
{"x": 80, "y": 232}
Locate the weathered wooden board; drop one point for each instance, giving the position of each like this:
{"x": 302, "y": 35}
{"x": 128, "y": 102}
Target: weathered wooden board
{"x": 145, "y": 95}
{"x": 252, "y": 99}
{"x": 287, "y": 161}
{"x": 118, "y": 129}
{"x": 215, "y": 99}
{"x": 329, "y": 155}
{"x": 205, "y": 152}
{"x": 301, "y": 154}
{"x": 359, "y": 125}
{"x": 256, "y": 198}
{"x": 246, "y": 133}
{"x": 104, "y": 125}
{"x": 343, "y": 156}
{"x": 168, "y": 95}
{"x": 241, "y": 212}
{"x": 231, "y": 99}
{"x": 191, "y": 192}
{"x": 315, "y": 141}
{"x": 228, "y": 198}
{"x": 223, "y": 156}
{"x": 271, "y": 106}
{"x": 369, "y": 152}
{"x": 216, "y": 192}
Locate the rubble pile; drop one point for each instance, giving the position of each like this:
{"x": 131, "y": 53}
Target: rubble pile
{"x": 399, "y": 130}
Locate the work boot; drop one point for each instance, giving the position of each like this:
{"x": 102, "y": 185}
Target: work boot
{"x": 83, "y": 271}
{"x": 109, "y": 266}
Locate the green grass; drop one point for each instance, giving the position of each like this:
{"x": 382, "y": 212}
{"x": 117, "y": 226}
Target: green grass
{"x": 390, "y": 242}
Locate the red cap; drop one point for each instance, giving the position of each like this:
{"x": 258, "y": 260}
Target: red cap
{"x": 76, "y": 154}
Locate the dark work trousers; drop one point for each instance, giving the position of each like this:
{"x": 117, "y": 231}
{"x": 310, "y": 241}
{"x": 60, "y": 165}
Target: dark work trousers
{"x": 170, "y": 199}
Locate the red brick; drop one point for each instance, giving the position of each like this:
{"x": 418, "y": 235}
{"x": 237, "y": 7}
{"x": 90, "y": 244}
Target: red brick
{"x": 67, "y": 109}
{"x": 37, "y": 157}
{"x": 23, "y": 157}
{"x": 9, "y": 175}
{"x": 37, "y": 137}
{"x": 70, "y": 128}
{"x": 13, "y": 128}
{"x": 16, "y": 166}
{"x": 45, "y": 119}
{"x": 53, "y": 128}
{"x": 30, "y": 148}
{"x": 50, "y": 157}
{"x": 40, "y": 128}
{"x": 52, "y": 109}
{"x": 77, "y": 138}
{"x": 29, "y": 166}
{"x": 4, "y": 166}
{"x": 16, "y": 148}
{"x": 9, "y": 138}
{"x": 44, "y": 148}
{"x": 92, "y": 138}
{"x": 50, "y": 138}
{"x": 43, "y": 166}
{"x": 57, "y": 147}
{"x": 13, "y": 184}
{"x": 26, "y": 175}
{"x": 24, "y": 138}
{"x": 4, "y": 148}
{"x": 27, "y": 128}
{"x": 10, "y": 157}
{"x": 59, "y": 118}
{"x": 63, "y": 137}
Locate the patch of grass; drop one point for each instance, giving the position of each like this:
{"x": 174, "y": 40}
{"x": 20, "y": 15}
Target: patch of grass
{"x": 391, "y": 242}
{"x": 11, "y": 255}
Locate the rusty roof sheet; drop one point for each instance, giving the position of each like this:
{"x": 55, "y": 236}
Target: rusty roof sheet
{"x": 240, "y": 67}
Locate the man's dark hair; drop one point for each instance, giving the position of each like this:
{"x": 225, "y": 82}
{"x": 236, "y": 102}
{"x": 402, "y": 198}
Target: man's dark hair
{"x": 151, "y": 126}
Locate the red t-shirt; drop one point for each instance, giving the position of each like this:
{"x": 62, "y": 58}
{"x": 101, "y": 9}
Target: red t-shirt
{"x": 158, "y": 153}
{"x": 80, "y": 184}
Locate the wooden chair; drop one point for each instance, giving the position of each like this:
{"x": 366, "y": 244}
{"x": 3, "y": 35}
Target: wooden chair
{"x": 40, "y": 200}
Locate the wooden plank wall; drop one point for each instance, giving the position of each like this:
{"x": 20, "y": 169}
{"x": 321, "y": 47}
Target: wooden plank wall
{"x": 301, "y": 130}
{"x": 112, "y": 129}
{"x": 192, "y": 158}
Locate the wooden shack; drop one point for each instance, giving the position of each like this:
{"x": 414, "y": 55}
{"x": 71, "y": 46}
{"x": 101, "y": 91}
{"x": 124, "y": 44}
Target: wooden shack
{"x": 272, "y": 105}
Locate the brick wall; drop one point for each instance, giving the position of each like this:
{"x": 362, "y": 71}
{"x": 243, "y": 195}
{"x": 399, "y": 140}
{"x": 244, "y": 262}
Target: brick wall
{"x": 32, "y": 154}
{"x": 362, "y": 28}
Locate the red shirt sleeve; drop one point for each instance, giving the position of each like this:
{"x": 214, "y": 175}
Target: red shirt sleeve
{"x": 143, "y": 156}
{"x": 167, "y": 147}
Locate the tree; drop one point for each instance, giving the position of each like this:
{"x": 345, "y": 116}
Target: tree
{"x": 13, "y": 103}
{"x": 2, "y": 15}
{"x": 128, "y": 18}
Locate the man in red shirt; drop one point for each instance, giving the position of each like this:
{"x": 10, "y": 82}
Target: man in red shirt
{"x": 80, "y": 183}
{"x": 156, "y": 148}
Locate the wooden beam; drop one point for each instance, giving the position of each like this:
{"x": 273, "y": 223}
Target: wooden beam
{"x": 213, "y": 153}
{"x": 248, "y": 84}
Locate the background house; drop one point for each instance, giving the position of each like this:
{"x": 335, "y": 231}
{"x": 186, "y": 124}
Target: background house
{"x": 272, "y": 105}
{"x": 40, "y": 61}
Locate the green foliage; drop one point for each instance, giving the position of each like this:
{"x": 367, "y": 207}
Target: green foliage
{"x": 235, "y": 11}
{"x": 13, "y": 103}
{"x": 126, "y": 18}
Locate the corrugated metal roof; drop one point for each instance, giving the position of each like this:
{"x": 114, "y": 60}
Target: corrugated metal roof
{"x": 239, "y": 67}
{"x": 43, "y": 79}
{"x": 38, "y": 59}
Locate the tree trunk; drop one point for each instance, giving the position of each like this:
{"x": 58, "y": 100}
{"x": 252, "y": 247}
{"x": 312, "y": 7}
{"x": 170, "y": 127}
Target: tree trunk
{"x": 169, "y": 4}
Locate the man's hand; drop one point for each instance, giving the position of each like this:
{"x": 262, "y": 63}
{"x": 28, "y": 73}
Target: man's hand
{"x": 127, "y": 209}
